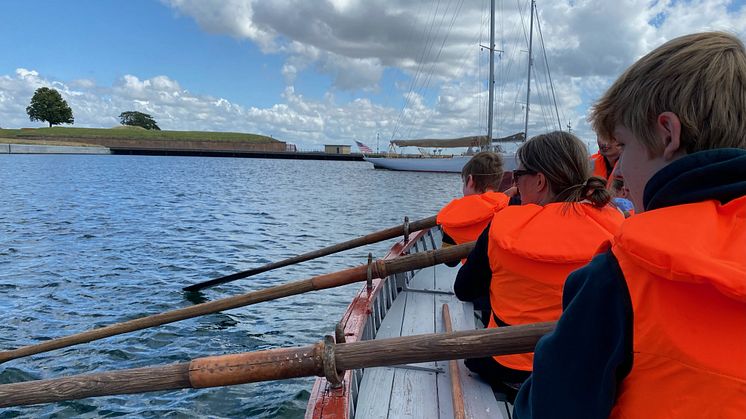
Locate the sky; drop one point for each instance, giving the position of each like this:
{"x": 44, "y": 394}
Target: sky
{"x": 315, "y": 72}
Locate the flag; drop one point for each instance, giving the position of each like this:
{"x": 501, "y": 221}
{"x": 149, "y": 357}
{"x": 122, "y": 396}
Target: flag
{"x": 363, "y": 148}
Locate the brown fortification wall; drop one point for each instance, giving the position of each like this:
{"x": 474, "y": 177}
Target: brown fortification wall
{"x": 170, "y": 144}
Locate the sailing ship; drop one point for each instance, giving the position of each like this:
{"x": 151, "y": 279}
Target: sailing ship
{"x": 454, "y": 164}
{"x": 450, "y": 164}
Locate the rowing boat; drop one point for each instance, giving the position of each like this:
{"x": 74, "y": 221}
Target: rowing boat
{"x": 405, "y": 304}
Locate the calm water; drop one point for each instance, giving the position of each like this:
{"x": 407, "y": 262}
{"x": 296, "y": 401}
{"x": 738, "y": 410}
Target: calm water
{"x": 87, "y": 241}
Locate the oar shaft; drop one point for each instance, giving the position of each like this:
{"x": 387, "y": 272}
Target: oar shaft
{"x": 440, "y": 347}
{"x": 228, "y": 303}
{"x": 215, "y": 371}
{"x": 379, "y": 269}
{"x": 278, "y": 364}
{"x": 457, "y": 393}
{"x": 140, "y": 380}
{"x": 376, "y": 237}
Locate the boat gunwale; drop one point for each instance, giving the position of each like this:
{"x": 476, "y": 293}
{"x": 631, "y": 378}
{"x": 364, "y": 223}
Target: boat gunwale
{"x": 326, "y": 401}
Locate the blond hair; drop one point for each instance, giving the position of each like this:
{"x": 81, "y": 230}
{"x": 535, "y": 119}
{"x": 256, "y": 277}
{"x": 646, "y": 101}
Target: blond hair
{"x": 699, "y": 77}
{"x": 486, "y": 170}
{"x": 563, "y": 159}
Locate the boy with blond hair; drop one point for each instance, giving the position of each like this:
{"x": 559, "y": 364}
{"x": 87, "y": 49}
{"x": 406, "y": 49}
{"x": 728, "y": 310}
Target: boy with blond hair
{"x": 656, "y": 325}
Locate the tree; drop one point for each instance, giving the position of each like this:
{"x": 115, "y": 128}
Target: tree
{"x": 138, "y": 119}
{"x": 48, "y": 105}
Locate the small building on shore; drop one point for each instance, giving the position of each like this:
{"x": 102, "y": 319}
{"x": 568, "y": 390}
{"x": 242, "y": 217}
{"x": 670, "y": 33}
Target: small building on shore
{"x": 336, "y": 149}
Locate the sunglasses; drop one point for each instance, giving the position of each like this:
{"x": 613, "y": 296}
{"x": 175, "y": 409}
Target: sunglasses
{"x": 518, "y": 173}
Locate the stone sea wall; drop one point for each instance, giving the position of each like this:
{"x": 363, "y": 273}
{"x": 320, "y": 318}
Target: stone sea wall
{"x": 206, "y": 145}
{"x": 50, "y": 149}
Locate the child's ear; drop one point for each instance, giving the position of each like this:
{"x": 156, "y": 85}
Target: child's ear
{"x": 668, "y": 127}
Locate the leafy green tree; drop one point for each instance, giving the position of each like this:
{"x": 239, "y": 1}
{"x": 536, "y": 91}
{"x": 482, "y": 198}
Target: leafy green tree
{"x": 138, "y": 119}
{"x": 48, "y": 105}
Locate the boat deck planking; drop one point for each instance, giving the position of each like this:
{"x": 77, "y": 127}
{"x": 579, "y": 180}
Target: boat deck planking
{"x": 396, "y": 392}
{"x": 394, "y": 307}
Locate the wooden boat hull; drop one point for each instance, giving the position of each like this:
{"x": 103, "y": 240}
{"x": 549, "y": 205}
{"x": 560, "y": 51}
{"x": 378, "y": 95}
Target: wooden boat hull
{"x": 364, "y": 313}
{"x": 423, "y": 390}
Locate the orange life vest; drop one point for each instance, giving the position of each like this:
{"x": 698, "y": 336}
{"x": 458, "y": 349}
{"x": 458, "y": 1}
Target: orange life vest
{"x": 599, "y": 166}
{"x": 532, "y": 249}
{"x": 685, "y": 267}
{"x": 464, "y": 219}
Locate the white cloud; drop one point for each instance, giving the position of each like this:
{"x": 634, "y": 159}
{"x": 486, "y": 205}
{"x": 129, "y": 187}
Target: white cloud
{"x": 588, "y": 43}
{"x": 352, "y": 73}
{"x": 307, "y": 123}
{"x": 234, "y": 17}
{"x": 289, "y": 72}
{"x": 83, "y": 83}
{"x": 430, "y": 48}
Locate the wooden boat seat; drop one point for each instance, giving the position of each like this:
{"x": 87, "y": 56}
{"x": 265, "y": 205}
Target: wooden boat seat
{"x": 425, "y": 390}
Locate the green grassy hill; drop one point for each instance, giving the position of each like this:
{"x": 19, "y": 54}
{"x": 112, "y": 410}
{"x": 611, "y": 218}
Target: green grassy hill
{"x": 133, "y": 133}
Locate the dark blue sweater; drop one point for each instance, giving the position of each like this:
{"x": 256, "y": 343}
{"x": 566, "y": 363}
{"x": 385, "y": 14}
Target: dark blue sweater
{"x": 578, "y": 367}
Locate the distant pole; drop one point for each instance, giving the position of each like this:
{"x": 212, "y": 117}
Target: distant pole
{"x": 528, "y": 85}
{"x": 378, "y": 150}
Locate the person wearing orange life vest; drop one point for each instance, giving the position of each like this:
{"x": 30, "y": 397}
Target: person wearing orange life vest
{"x": 620, "y": 193}
{"x": 523, "y": 258}
{"x": 464, "y": 219}
{"x": 608, "y": 154}
{"x": 655, "y": 326}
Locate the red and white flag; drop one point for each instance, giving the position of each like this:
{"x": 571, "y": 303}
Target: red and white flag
{"x": 363, "y": 148}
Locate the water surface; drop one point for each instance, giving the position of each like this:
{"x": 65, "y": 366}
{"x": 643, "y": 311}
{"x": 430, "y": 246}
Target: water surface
{"x": 88, "y": 241}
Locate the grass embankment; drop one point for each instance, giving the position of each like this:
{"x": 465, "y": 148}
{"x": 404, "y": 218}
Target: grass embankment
{"x": 10, "y": 136}
{"x": 133, "y": 133}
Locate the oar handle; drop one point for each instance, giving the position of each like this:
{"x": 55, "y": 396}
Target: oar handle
{"x": 376, "y": 237}
{"x": 276, "y": 364}
{"x": 379, "y": 269}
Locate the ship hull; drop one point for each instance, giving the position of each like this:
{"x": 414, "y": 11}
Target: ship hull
{"x": 431, "y": 164}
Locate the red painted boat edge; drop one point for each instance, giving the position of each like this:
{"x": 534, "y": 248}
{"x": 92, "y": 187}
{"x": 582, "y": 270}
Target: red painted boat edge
{"x": 326, "y": 402}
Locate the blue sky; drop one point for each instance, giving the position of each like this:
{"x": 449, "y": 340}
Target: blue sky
{"x": 312, "y": 72}
{"x": 104, "y": 40}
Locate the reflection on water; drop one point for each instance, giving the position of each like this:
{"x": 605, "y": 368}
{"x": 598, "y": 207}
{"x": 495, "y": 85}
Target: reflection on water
{"x": 88, "y": 241}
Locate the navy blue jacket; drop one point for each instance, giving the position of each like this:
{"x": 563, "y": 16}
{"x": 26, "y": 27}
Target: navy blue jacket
{"x": 578, "y": 367}
{"x": 474, "y": 277}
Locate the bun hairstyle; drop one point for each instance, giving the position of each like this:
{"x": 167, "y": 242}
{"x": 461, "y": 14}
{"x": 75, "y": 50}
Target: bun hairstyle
{"x": 486, "y": 169}
{"x": 593, "y": 190}
{"x": 563, "y": 160}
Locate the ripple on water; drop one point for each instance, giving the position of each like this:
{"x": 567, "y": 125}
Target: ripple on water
{"x": 133, "y": 231}
{"x": 16, "y": 375}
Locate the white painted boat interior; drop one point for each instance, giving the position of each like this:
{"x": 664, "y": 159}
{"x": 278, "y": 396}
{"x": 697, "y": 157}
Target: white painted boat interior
{"x": 425, "y": 390}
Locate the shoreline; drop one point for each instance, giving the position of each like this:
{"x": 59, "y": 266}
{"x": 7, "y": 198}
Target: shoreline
{"x": 11, "y": 148}
{"x": 289, "y": 155}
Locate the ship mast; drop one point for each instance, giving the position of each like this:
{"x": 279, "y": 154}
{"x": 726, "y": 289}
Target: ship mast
{"x": 528, "y": 85}
{"x": 488, "y": 143}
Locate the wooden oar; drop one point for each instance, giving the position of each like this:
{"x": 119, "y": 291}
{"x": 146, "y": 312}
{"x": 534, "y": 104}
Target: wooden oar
{"x": 322, "y": 359}
{"x": 457, "y": 394}
{"x": 377, "y": 269}
{"x": 376, "y": 237}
